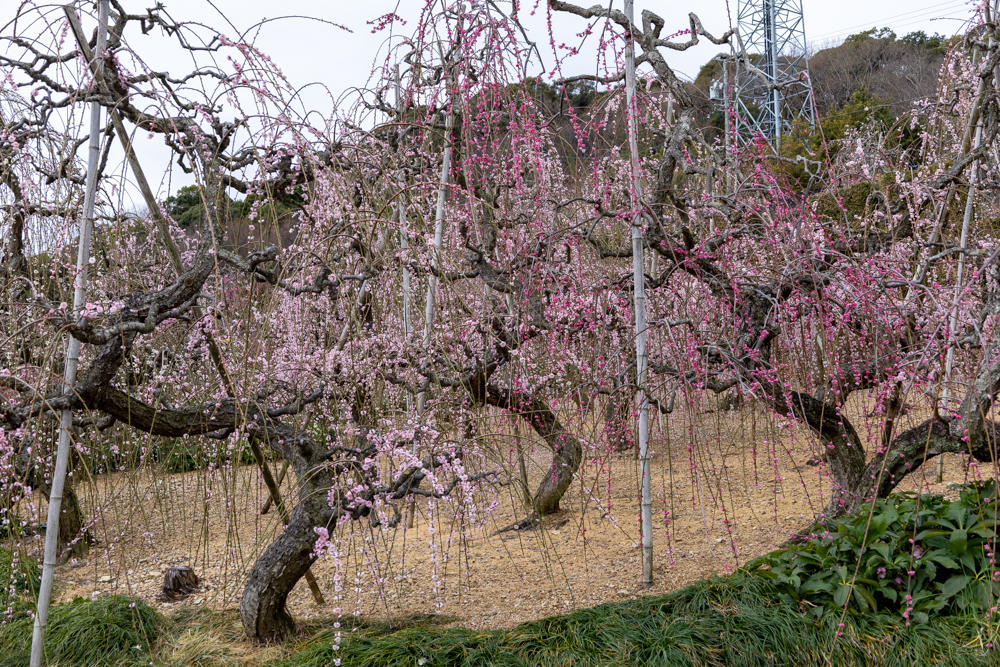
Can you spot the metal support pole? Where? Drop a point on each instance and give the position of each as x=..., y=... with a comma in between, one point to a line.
x=727, y=111
x=772, y=55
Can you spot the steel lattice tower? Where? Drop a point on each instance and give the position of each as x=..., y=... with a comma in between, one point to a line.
x=775, y=31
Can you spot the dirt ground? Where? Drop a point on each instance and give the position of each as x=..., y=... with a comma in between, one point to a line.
x=727, y=487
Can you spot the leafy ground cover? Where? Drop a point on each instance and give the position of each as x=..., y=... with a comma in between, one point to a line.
x=918, y=554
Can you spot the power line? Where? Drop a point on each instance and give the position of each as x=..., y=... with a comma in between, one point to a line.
x=897, y=27
x=948, y=5
x=952, y=6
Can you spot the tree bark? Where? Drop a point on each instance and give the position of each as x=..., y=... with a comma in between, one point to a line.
x=567, y=452
x=74, y=540
x=287, y=559
x=274, y=575
x=617, y=411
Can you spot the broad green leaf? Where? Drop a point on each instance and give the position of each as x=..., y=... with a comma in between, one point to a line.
x=891, y=514
x=983, y=594
x=878, y=526
x=958, y=513
x=930, y=532
x=945, y=561
x=881, y=548
x=863, y=598
x=816, y=585
x=959, y=541
x=954, y=585
x=843, y=592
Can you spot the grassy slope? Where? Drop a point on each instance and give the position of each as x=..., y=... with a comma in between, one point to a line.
x=111, y=631
x=725, y=621
x=734, y=620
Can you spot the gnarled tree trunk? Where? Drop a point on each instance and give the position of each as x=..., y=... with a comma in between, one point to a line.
x=279, y=568
x=74, y=540
x=567, y=452
x=287, y=559
x=618, y=428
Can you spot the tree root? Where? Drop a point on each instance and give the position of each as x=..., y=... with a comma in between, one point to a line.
x=531, y=521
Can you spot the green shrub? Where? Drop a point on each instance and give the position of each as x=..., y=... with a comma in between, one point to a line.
x=920, y=555
x=176, y=455
x=19, y=580
x=110, y=631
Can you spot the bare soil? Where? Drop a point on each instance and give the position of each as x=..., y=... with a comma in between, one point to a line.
x=727, y=487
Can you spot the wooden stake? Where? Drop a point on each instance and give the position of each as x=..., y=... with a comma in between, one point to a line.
x=266, y=506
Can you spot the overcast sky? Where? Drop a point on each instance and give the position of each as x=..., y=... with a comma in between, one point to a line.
x=315, y=51
x=310, y=51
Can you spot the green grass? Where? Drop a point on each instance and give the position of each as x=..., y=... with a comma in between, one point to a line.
x=729, y=621
x=110, y=631
x=19, y=580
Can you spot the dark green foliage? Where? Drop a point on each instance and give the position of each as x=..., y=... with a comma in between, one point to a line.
x=184, y=455
x=19, y=580
x=176, y=455
x=270, y=209
x=872, y=33
x=862, y=110
x=736, y=620
x=111, y=631
x=186, y=207
x=918, y=39
x=318, y=651
x=578, y=95
x=844, y=203
x=935, y=43
x=935, y=551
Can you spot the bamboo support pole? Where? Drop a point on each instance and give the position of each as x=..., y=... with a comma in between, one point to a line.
x=72, y=361
x=963, y=243
x=639, y=287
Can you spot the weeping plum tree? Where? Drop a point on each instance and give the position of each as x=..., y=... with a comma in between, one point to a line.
x=302, y=349
x=799, y=306
x=298, y=350
x=309, y=306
